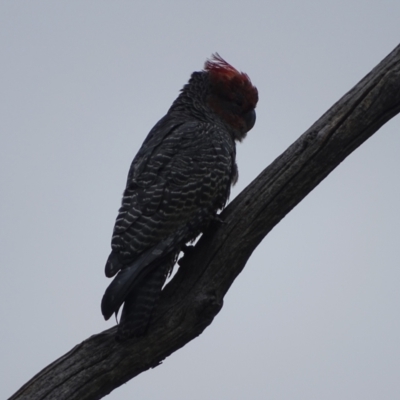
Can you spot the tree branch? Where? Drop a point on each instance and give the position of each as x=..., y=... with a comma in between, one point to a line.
x=194, y=297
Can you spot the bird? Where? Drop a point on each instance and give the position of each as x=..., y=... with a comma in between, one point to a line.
x=177, y=183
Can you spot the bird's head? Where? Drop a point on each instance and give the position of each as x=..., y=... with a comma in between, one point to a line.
x=231, y=95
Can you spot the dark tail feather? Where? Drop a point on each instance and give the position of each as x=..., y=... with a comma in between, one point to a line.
x=120, y=287
x=139, y=303
x=128, y=277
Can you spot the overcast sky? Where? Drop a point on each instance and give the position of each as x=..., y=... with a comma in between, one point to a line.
x=315, y=313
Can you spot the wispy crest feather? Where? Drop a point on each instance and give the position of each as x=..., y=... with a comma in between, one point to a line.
x=216, y=65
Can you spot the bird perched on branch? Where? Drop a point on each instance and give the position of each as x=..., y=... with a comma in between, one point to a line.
x=177, y=182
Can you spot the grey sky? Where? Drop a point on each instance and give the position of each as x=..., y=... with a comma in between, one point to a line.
x=315, y=314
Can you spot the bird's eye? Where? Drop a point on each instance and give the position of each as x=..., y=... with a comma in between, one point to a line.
x=239, y=102
x=237, y=99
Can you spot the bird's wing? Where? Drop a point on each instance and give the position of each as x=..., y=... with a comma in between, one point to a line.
x=173, y=188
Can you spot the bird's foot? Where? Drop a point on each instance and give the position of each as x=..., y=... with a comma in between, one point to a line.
x=216, y=222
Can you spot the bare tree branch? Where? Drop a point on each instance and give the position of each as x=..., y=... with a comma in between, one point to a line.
x=194, y=297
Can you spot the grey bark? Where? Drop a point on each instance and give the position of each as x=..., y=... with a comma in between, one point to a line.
x=194, y=297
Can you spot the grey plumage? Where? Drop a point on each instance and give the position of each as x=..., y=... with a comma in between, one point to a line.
x=177, y=182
